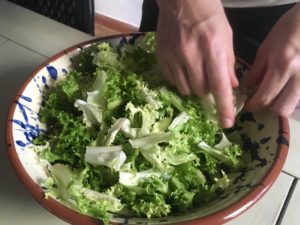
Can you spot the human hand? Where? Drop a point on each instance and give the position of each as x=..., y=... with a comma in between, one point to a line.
x=195, y=51
x=276, y=68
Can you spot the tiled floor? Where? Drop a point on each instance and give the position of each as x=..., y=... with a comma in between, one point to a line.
x=105, y=26
x=101, y=30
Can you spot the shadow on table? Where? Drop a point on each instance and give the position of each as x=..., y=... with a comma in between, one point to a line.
x=16, y=63
x=9, y=186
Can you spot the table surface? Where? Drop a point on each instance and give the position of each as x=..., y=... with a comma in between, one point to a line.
x=28, y=39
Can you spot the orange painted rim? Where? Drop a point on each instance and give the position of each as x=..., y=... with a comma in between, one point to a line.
x=73, y=217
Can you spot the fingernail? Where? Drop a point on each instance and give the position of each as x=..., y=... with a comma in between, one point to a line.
x=227, y=122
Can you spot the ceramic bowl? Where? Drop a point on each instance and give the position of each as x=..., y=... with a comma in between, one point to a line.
x=267, y=144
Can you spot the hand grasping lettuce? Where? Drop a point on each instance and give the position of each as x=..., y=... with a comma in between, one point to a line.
x=120, y=140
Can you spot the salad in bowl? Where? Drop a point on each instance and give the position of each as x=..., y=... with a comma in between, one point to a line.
x=99, y=132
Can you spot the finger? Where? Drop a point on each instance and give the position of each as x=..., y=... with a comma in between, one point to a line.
x=167, y=72
x=288, y=99
x=162, y=50
x=231, y=65
x=233, y=78
x=220, y=86
x=272, y=83
x=191, y=56
x=180, y=75
x=197, y=78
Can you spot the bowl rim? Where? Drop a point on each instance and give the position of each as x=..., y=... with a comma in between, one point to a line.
x=73, y=217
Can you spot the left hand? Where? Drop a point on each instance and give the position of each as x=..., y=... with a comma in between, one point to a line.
x=276, y=68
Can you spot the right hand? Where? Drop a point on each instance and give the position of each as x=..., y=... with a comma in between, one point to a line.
x=195, y=51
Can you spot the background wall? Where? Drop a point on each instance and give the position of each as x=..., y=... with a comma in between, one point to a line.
x=128, y=11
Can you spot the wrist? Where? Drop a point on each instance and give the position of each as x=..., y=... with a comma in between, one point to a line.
x=194, y=8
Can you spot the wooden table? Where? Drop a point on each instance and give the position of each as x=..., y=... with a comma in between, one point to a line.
x=28, y=39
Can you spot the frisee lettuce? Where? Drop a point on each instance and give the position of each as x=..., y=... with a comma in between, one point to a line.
x=121, y=140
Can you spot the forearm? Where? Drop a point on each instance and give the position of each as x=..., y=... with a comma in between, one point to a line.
x=195, y=9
